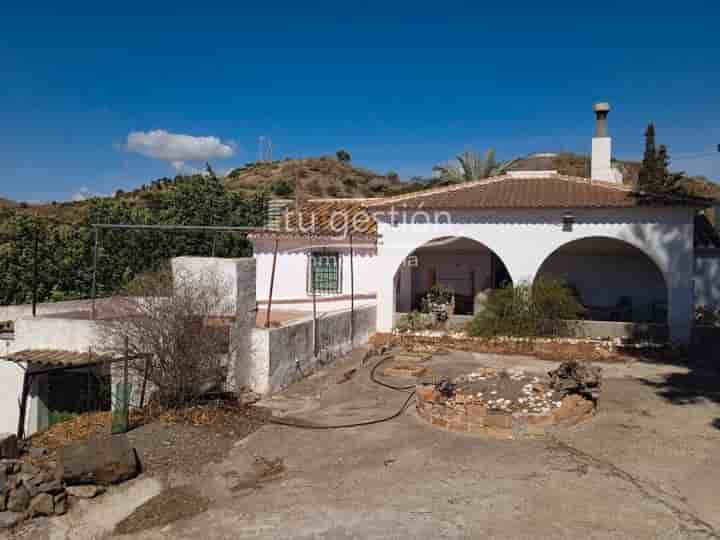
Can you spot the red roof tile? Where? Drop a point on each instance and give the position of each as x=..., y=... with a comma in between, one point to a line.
x=554, y=191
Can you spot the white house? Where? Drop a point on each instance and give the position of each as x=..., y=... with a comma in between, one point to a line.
x=630, y=256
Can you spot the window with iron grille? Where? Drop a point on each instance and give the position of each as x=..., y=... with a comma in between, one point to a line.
x=324, y=273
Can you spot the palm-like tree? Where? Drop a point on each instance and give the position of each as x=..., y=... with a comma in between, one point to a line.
x=471, y=166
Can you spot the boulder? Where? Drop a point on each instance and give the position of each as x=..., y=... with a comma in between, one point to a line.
x=37, y=453
x=10, y=519
x=53, y=487
x=85, y=492
x=42, y=505
x=9, y=446
x=99, y=461
x=61, y=504
x=18, y=499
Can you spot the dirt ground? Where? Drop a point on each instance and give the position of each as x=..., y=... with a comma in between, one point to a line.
x=648, y=466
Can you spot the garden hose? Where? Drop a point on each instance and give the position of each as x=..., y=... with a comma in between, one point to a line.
x=289, y=423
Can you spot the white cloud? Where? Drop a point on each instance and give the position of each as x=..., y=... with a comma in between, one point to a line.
x=82, y=194
x=176, y=148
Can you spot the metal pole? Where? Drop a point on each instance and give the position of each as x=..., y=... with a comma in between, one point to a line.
x=144, y=385
x=272, y=285
x=23, y=404
x=352, y=295
x=96, y=234
x=35, y=270
x=126, y=391
x=314, y=298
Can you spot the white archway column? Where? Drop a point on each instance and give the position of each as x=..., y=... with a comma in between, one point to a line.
x=681, y=303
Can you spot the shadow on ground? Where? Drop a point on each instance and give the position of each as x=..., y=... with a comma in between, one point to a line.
x=695, y=386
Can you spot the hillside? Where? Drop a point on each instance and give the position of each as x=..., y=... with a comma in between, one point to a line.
x=315, y=177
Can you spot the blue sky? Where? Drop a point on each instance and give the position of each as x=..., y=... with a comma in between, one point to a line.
x=401, y=85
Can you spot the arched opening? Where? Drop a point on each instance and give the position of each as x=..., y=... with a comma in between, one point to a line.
x=613, y=280
x=466, y=267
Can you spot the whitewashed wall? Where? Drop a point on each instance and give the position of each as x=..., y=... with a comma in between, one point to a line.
x=524, y=239
x=292, y=267
x=11, y=381
x=707, y=279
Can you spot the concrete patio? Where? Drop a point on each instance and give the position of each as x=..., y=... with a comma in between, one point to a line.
x=645, y=467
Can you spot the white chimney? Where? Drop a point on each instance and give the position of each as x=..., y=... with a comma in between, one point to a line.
x=601, y=168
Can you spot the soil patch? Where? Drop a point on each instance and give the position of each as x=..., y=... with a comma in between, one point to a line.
x=168, y=442
x=169, y=506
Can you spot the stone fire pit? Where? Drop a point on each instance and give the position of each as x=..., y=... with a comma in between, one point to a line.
x=502, y=404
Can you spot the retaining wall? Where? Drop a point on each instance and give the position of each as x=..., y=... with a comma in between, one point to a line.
x=283, y=355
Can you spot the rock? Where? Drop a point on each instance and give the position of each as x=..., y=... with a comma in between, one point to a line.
x=9, y=446
x=61, y=504
x=30, y=469
x=42, y=505
x=18, y=499
x=85, y=492
x=10, y=519
x=53, y=487
x=3, y=484
x=29, y=484
x=99, y=461
x=36, y=453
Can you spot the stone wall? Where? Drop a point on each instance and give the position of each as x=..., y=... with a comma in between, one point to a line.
x=462, y=415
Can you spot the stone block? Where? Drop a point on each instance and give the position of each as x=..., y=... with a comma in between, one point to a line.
x=53, y=487
x=457, y=426
x=9, y=520
x=439, y=421
x=498, y=420
x=42, y=505
x=475, y=410
x=9, y=446
x=99, y=461
x=85, y=492
x=425, y=392
x=18, y=499
x=61, y=504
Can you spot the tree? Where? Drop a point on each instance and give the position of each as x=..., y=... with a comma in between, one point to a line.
x=470, y=166
x=392, y=176
x=655, y=175
x=343, y=156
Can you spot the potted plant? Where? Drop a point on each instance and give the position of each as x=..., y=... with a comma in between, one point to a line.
x=439, y=301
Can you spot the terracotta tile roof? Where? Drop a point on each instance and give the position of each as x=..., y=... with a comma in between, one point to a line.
x=54, y=358
x=325, y=218
x=555, y=191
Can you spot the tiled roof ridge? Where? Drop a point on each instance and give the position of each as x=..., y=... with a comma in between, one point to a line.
x=494, y=179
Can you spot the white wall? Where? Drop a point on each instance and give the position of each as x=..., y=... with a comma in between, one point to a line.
x=224, y=271
x=11, y=381
x=707, y=279
x=292, y=266
x=283, y=355
x=524, y=239
x=55, y=333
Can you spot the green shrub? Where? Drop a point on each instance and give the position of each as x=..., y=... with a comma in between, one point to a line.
x=343, y=156
x=282, y=188
x=526, y=310
x=413, y=322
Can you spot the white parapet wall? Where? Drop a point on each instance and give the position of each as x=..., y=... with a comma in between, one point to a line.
x=225, y=273
x=286, y=354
